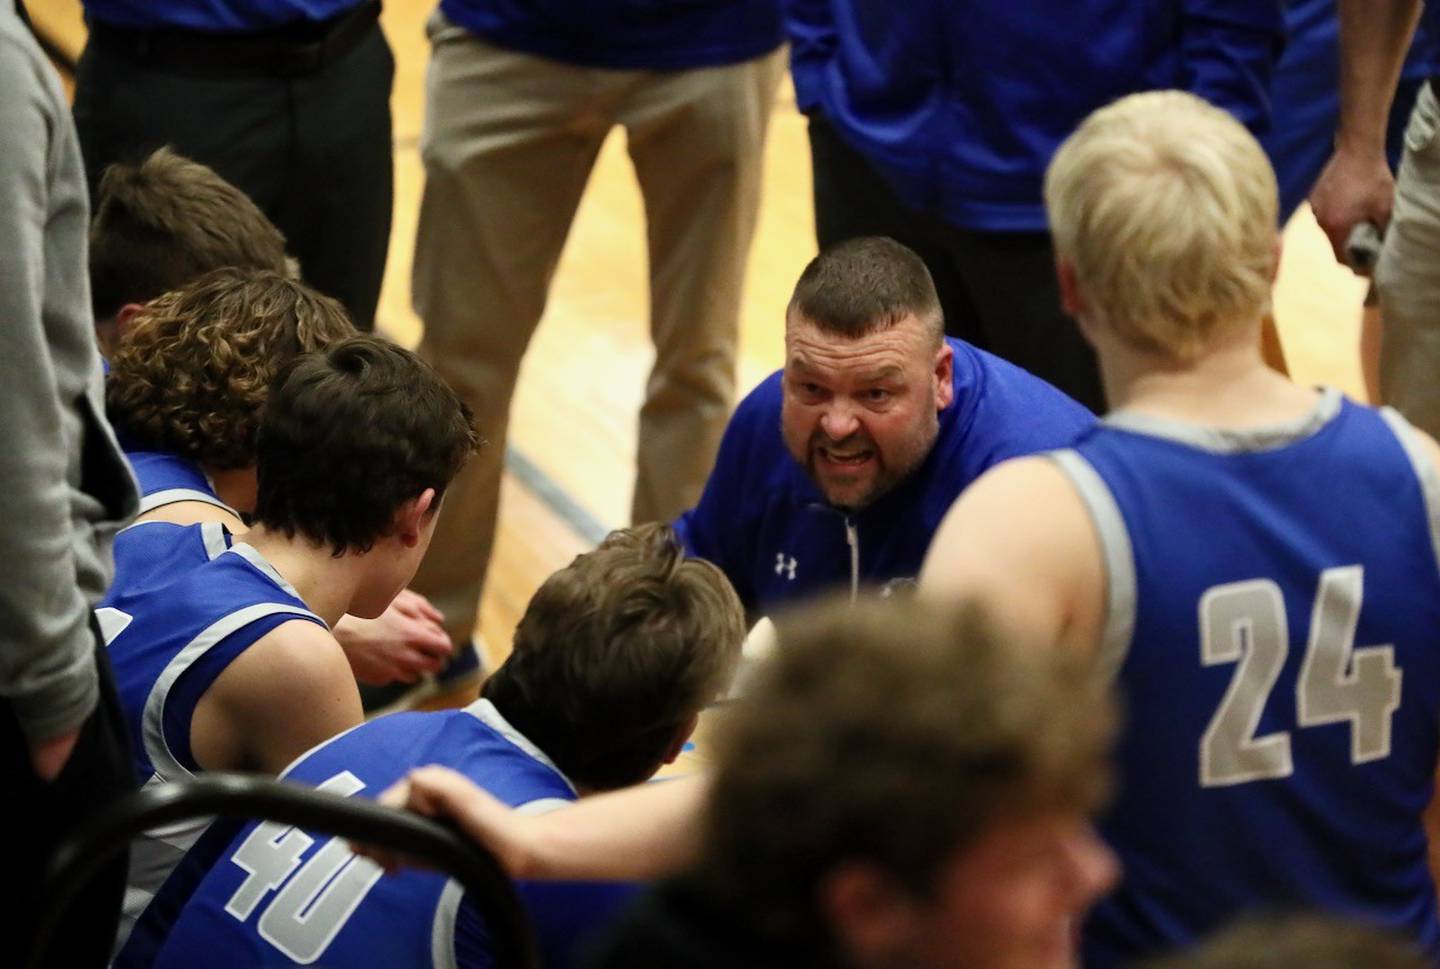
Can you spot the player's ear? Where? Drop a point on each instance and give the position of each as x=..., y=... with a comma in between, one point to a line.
x=867, y=912
x=413, y=516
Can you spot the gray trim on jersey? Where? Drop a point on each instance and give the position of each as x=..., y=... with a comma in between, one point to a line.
x=1116, y=553
x=213, y=535
x=1424, y=470
x=157, y=748
x=153, y=856
x=1223, y=440
x=484, y=711
x=171, y=496
x=442, y=931
x=252, y=555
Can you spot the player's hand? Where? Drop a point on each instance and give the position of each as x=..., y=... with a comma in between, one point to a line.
x=1356, y=186
x=49, y=757
x=446, y=795
x=407, y=641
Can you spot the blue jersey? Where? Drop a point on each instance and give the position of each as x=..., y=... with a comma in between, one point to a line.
x=168, y=478
x=182, y=607
x=1274, y=620
x=262, y=902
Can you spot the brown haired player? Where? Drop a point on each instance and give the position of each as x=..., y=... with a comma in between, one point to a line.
x=230, y=664
x=613, y=660
x=187, y=384
x=162, y=223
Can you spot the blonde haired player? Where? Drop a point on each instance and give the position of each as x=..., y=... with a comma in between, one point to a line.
x=1255, y=560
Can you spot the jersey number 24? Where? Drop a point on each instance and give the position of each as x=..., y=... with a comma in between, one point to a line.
x=1244, y=623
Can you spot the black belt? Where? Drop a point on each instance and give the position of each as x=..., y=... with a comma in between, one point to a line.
x=303, y=48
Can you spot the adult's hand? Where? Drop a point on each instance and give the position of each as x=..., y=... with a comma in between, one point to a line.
x=407, y=641
x=49, y=757
x=1355, y=187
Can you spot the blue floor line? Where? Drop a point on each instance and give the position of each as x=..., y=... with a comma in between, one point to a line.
x=556, y=498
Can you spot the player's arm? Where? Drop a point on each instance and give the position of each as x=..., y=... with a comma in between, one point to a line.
x=1356, y=185
x=1021, y=541
x=290, y=690
x=194, y=513
x=639, y=833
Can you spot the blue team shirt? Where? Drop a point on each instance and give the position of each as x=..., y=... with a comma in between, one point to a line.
x=1274, y=617
x=166, y=478
x=765, y=524
x=218, y=16
x=185, y=602
x=960, y=106
x=667, y=35
x=246, y=911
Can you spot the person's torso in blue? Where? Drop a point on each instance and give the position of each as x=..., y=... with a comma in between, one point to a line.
x=1280, y=674
x=657, y=35
x=1305, y=97
x=168, y=478
x=960, y=105
x=184, y=604
x=765, y=524
x=277, y=896
x=215, y=16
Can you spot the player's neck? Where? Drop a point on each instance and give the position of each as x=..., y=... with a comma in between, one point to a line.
x=1229, y=386
x=234, y=486
x=325, y=582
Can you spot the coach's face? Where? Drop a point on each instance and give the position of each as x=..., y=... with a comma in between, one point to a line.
x=861, y=414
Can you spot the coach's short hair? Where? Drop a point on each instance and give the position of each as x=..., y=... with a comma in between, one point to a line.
x=893, y=732
x=859, y=286
x=616, y=653
x=166, y=221
x=1313, y=941
x=349, y=434
x=1166, y=206
x=194, y=367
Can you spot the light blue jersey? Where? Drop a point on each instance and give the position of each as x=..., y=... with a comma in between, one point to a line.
x=278, y=896
x=185, y=603
x=1274, y=621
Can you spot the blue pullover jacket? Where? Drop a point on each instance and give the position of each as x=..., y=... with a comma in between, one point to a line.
x=656, y=35
x=959, y=104
x=765, y=524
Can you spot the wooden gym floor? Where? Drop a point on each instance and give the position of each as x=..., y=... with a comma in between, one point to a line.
x=573, y=423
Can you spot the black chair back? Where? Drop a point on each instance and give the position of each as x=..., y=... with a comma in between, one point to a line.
x=219, y=794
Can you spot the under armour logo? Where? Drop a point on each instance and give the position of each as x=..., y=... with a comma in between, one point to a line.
x=785, y=567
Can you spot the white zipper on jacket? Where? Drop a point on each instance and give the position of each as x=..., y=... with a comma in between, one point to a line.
x=852, y=538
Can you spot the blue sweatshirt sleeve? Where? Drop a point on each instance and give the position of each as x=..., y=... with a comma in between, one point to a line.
x=1230, y=48
x=811, y=31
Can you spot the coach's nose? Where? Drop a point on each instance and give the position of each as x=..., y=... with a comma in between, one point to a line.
x=839, y=421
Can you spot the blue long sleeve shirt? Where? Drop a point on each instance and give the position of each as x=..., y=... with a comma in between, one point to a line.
x=765, y=524
x=959, y=104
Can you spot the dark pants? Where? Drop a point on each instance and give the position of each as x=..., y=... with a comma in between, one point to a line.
x=40, y=814
x=312, y=150
x=998, y=289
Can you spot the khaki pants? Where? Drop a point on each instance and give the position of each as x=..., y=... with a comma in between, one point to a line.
x=1408, y=275
x=508, y=145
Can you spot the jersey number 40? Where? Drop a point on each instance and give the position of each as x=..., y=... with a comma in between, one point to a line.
x=1245, y=622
